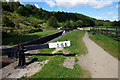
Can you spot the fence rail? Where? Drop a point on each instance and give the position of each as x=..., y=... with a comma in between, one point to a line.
x=18, y=51
x=113, y=32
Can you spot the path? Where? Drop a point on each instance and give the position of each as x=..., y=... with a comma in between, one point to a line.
x=100, y=63
x=10, y=72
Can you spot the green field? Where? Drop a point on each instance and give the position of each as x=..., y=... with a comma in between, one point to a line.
x=77, y=45
x=108, y=44
x=104, y=28
x=21, y=38
x=41, y=57
x=55, y=69
x=87, y=28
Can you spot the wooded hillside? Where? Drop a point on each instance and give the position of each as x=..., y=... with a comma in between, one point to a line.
x=30, y=18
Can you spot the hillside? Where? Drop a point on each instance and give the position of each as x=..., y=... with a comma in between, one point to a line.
x=21, y=19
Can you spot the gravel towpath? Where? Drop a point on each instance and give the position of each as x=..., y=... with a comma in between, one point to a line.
x=100, y=63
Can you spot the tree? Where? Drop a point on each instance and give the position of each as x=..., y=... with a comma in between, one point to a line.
x=28, y=8
x=71, y=24
x=66, y=24
x=5, y=6
x=35, y=24
x=16, y=5
x=7, y=22
x=11, y=24
x=116, y=23
x=22, y=11
x=11, y=4
x=39, y=13
x=53, y=22
x=79, y=23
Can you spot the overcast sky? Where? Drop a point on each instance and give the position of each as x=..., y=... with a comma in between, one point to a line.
x=99, y=9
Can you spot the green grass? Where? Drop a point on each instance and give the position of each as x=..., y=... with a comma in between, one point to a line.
x=59, y=52
x=54, y=69
x=21, y=38
x=87, y=28
x=114, y=29
x=108, y=29
x=77, y=45
x=41, y=57
x=108, y=44
x=46, y=51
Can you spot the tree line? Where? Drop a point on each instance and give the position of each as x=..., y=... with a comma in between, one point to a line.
x=67, y=20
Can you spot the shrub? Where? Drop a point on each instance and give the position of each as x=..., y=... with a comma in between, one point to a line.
x=53, y=22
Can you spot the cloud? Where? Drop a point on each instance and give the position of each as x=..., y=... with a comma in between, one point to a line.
x=116, y=14
x=118, y=6
x=7, y=0
x=102, y=18
x=107, y=18
x=111, y=7
x=36, y=5
x=116, y=17
x=50, y=3
x=64, y=0
x=71, y=3
x=110, y=13
x=99, y=4
x=16, y=0
x=21, y=3
x=79, y=3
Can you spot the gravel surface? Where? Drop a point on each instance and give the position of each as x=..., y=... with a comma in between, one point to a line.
x=100, y=63
x=69, y=62
x=10, y=71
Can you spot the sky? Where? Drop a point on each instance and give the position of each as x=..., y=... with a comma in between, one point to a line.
x=99, y=9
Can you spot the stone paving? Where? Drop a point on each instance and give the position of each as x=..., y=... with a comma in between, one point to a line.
x=69, y=62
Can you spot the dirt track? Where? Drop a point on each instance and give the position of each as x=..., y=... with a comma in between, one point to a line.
x=100, y=63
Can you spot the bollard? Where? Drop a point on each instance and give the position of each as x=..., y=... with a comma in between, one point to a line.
x=21, y=56
x=116, y=32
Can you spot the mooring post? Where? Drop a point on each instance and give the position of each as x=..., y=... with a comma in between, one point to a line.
x=116, y=32
x=21, y=56
x=106, y=31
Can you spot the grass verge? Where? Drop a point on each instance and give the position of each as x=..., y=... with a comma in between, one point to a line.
x=108, y=44
x=54, y=69
x=41, y=57
x=77, y=45
x=21, y=38
x=87, y=28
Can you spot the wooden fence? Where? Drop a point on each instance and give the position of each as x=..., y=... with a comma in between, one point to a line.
x=113, y=32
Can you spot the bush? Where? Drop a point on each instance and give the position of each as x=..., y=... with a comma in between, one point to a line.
x=7, y=22
x=5, y=35
x=22, y=11
x=53, y=22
